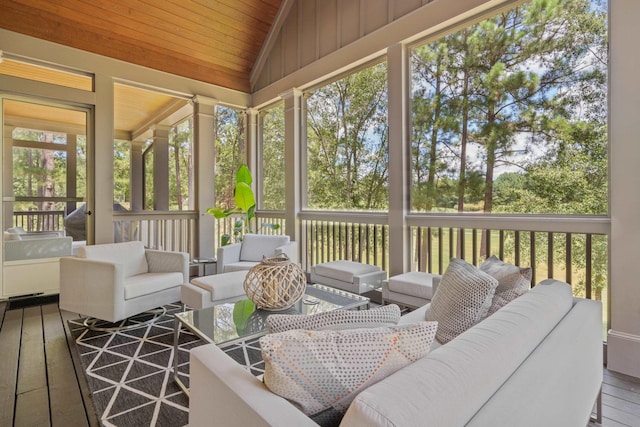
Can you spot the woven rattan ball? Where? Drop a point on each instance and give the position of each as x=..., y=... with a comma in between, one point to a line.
x=275, y=284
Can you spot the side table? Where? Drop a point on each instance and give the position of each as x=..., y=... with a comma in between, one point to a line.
x=199, y=267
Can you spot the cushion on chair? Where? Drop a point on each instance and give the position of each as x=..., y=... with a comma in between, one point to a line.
x=513, y=281
x=239, y=266
x=130, y=254
x=256, y=246
x=462, y=299
x=150, y=283
x=344, y=270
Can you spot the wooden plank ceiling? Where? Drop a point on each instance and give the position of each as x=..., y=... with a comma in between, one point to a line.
x=215, y=41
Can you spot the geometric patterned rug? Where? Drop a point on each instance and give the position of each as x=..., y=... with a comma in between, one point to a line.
x=130, y=372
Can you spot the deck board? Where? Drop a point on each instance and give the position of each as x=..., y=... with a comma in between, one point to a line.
x=32, y=395
x=10, y=333
x=56, y=393
x=67, y=407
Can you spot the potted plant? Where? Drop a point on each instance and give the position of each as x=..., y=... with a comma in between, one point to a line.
x=244, y=209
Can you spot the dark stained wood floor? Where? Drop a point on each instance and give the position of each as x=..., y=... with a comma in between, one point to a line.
x=41, y=381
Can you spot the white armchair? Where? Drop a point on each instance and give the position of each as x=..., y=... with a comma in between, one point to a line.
x=115, y=281
x=249, y=252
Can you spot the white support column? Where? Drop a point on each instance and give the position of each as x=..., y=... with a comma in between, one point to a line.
x=101, y=180
x=399, y=165
x=258, y=174
x=7, y=176
x=623, y=342
x=292, y=154
x=72, y=170
x=136, y=177
x=204, y=172
x=251, y=150
x=161, y=167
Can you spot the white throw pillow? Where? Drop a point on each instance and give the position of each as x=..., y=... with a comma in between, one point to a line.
x=321, y=372
x=463, y=297
x=388, y=315
x=513, y=281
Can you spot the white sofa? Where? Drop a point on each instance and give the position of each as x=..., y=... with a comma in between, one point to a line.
x=21, y=245
x=535, y=362
x=115, y=281
x=244, y=255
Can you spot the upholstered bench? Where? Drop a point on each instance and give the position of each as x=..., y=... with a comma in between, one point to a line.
x=349, y=276
x=206, y=291
x=413, y=289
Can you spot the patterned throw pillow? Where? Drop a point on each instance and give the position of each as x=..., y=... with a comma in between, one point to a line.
x=513, y=281
x=387, y=315
x=463, y=297
x=321, y=372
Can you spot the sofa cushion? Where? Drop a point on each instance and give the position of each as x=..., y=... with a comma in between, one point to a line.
x=452, y=383
x=322, y=371
x=387, y=315
x=463, y=297
x=513, y=281
x=343, y=270
x=130, y=254
x=150, y=283
x=256, y=246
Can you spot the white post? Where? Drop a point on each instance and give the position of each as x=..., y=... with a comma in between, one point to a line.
x=292, y=154
x=399, y=165
x=204, y=172
x=101, y=180
x=623, y=342
x=161, y=167
x=136, y=176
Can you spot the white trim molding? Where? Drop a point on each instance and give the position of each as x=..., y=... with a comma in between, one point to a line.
x=623, y=353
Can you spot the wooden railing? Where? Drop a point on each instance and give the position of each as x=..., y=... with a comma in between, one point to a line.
x=330, y=236
x=171, y=231
x=33, y=221
x=258, y=224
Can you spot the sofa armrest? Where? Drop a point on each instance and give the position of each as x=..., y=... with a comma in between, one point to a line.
x=227, y=255
x=168, y=262
x=90, y=286
x=290, y=249
x=223, y=391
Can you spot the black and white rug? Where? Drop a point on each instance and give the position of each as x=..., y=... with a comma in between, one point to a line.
x=130, y=372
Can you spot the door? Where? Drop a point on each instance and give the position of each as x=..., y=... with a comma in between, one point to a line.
x=44, y=192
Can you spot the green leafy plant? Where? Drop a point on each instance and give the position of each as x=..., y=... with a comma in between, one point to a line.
x=245, y=208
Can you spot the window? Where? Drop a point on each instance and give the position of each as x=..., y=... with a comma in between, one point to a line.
x=180, y=164
x=347, y=137
x=273, y=166
x=510, y=114
x=230, y=152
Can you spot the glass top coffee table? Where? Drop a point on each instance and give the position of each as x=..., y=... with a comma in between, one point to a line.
x=227, y=323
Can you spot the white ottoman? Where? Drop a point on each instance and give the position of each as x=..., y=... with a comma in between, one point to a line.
x=413, y=289
x=206, y=291
x=349, y=276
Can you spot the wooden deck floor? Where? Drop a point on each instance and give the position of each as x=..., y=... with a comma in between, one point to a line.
x=41, y=382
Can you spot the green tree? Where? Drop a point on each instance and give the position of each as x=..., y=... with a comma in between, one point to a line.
x=347, y=150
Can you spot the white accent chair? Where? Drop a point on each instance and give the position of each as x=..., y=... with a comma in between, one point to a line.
x=115, y=281
x=244, y=255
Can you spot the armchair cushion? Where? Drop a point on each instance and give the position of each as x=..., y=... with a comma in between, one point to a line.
x=150, y=283
x=130, y=254
x=256, y=246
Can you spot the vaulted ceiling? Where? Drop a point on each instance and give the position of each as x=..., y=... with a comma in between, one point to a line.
x=215, y=41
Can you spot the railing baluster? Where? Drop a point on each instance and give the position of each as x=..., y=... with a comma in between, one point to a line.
x=474, y=244
x=516, y=239
x=588, y=276
x=550, y=255
x=532, y=255
x=568, y=259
